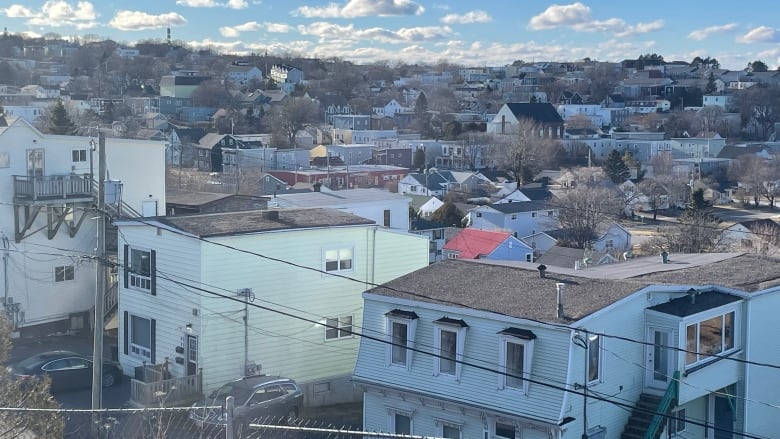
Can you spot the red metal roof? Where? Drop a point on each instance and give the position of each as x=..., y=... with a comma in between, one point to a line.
x=471, y=243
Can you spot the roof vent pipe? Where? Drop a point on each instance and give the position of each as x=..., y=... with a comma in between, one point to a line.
x=559, y=299
x=692, y=295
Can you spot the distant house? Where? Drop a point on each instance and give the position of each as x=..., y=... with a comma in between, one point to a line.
x=574, y=258
x=180, y=86
x=435, y=233
x=331, y=105
x=429, y=207
x=183, y=202
x=521, y=218
x=427, y=183
x=487, y=244
x=616, y=239
x=242, y=74
x=758, y=236
x=509, y=116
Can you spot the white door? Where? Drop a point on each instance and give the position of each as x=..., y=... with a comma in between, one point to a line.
x=658, y=373
x=149, y=208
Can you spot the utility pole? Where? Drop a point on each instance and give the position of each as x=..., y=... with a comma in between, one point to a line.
x=100, y=285
x=249, y=296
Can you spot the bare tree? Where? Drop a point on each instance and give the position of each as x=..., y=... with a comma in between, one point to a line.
x=603, y=80
x=525, y=153
x=751, y=172
x=698, y=230
x=584, y=210
x=292, y=116
x=710, y=118
x=657, y=194
x=32, y=393
x=210, y=94
x=662, y=164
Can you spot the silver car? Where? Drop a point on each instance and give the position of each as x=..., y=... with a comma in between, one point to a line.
x=264, y=398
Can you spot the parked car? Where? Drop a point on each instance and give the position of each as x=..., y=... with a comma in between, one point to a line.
x=259, y=397
x=67, y=370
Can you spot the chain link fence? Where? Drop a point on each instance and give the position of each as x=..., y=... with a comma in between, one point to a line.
x=172, y=423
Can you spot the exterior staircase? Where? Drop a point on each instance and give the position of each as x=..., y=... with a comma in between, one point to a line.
x=641, y=417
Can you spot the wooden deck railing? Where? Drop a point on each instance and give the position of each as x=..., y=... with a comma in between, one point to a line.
x=168, y=392
x=52, y=187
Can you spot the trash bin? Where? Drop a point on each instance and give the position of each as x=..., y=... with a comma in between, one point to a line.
x=114, y=349
x=664, y=257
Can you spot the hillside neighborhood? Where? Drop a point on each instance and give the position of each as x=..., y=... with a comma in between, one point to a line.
x=535, y=250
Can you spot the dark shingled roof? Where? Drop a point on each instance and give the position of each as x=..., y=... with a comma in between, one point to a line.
x=520, y=206
x=191, y=198
x=542, y=112
x=515, y=288
x=686, y=305
x=507, y=290
x=238, y=223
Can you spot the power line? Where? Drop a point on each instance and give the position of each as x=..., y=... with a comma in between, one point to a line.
x=446, y=301
x=476, y=366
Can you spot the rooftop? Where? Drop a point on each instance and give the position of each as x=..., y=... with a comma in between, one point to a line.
x=257, y=221
x=473, y=243
x=516, y=289
x=325, y=198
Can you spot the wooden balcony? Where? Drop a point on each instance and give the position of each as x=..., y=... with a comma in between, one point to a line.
x=70, y=188
x=170, y=392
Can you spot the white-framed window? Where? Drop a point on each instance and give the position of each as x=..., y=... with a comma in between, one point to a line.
x=400, y=421
x=609, y=244
x=515, y=358
x=711, y=336
x=140, y=337
x=78, y=155
x=400, y=330
x=448, y=344
x=514, y=216
x=446, y=428
x=533, y=214
x=64, y=273
x=677, y=422
x=338, y=259
x=5, y=159
x=139, y=269
x=594, y=359
x=504, y=430
x=479, y=214
x=338, y=327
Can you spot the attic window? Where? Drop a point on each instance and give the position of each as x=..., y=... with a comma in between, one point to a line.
x=525, y=334
x=453, y=322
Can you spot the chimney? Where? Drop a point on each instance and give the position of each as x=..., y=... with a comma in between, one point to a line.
x=692, y=295
x=271, y=214
x=559, y=299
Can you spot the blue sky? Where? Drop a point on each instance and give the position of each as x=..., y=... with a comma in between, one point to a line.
x=473, y=33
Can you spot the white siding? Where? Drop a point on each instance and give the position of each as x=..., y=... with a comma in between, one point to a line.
x=475, y=387
x=759, y=418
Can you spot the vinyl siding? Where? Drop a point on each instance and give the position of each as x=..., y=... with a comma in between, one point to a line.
x=482, y=344
x=177, y=257
x=760, y=419
x=283, y=344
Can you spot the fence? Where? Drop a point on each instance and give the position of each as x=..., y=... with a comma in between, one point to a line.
x=173, y=423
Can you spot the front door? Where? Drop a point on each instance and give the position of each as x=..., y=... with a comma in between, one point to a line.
x=192, y=355
x=35, y=162
x=659, y=359
x=722, y=408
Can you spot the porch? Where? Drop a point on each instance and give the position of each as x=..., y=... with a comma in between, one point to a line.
x=153, y=387
x=71, y=187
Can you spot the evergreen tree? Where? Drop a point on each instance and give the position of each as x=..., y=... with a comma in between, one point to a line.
x=59, y=122
x=448, y=215
x=615, y=168
x=710, y=87
x=418, y=161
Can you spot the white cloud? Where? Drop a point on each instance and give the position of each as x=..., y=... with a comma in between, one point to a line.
x=231, y=4
x=361, y=8
x=329, y=31
x=56, y=13
x=234, y=31
x=703, y=34
x=277, y=28
x=577, y=16
x=561, y=15
x=18, y=11
x=640, y=28
x=197, y=3
x=476, y=16
x=138, y=20
x=761, y=34
x=236, y=47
